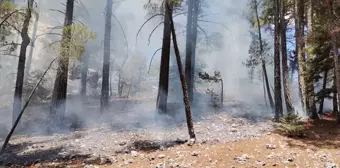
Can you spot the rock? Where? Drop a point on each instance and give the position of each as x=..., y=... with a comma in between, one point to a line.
x=122, y=143
x=323, y=158
x=331, y=165
x=129, y=161
x=134, y=153
x=104, y=160
x=270, y=146
x=242, y=159
x=194, y=153
x=260, y=163
x=290, y=159
x=90, y=166
x=161, y=156
x=191, y=142
x=270, y=156
x=233, y=130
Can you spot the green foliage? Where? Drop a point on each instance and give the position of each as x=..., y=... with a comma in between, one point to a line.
x=255, y=56
x=73, y=46
x=291, y=125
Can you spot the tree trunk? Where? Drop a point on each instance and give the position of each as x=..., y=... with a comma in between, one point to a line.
x=104, y=101
x=189, y=48
x=182, y=78
x=335, y=99
x=163, y=85
x=337, y=72
x=264, y=69
x=309, y=78
x=58, y=102
x=285, y=80
x=299, y=50
x=324, y=85
x=21, y=63
x=277, y=65
x=84, y=70
x=34, y=34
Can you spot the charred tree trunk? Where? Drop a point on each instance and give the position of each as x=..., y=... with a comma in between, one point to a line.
x=324, y=85
x=163, y=85
x=182, y=78
x=285, y=76
x=21, y=63
x=58, y=103
x=277, y=65
x=189, y=48
x=104, y=101
x=264, y=69
x=84, y=70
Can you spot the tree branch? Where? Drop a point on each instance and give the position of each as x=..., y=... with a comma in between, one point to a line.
x=152, y=58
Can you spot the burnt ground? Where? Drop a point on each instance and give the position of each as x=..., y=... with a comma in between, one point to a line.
x=129, y=128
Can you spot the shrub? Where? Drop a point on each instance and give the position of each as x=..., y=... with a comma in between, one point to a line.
x=292, y=126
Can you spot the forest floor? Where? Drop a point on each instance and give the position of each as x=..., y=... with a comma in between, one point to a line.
x=224, y=140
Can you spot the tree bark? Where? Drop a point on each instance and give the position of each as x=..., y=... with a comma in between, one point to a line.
x=163, y=85
x=189, y=48
x=277, y=65
x=182, y=78
x=309, y=78
x=285, y=76
x=337, y=72
x=299, y=10
x=58, y=102
x=324, y=86
x=264, y=69
x=21, y=63
x=104, y=101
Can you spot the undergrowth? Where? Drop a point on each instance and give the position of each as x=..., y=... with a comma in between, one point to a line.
x=291, y=126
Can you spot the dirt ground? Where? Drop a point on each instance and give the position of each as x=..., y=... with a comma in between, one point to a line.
x=320, y=148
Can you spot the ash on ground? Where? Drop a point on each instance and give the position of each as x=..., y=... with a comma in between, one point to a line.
x=135, y=131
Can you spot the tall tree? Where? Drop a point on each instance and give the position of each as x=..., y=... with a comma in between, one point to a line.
x=188, y=49
x=182, y=78
x=263, y=61
x=58, y=102
x=285, y=80
x=21, y=63
x=191, y=41
x=277, y=64
x=312, y=112
x=104, y=101
x=299, y=33
x=163, y=85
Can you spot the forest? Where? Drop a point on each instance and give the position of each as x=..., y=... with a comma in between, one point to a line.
x=169, y=83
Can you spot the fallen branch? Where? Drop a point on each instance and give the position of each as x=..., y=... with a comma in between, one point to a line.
x=23, y=109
